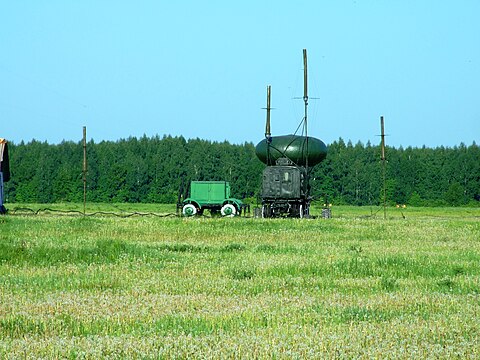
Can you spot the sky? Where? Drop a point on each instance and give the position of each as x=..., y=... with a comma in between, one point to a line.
x=200, y=69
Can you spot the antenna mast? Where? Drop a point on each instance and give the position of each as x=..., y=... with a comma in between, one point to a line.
x=305, y=84
x=268, y=134
x=267, y=125
x=305, y=100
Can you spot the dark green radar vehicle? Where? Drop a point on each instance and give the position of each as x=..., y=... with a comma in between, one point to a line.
x=289, y=160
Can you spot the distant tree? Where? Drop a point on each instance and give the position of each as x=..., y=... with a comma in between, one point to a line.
x=455, y=195
x=415, y=200
x=155, y=169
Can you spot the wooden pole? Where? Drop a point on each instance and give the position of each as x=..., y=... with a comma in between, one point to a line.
x=384, y=172
x=84, y=169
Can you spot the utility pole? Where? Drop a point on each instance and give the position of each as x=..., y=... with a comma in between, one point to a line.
x=384, y=172
x=84, y=169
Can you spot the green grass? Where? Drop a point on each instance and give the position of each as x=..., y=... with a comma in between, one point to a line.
x=354, y=286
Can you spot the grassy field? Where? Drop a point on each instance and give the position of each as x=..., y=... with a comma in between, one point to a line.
x=353, y=286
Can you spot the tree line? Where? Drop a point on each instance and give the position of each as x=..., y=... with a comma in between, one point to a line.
x=155, y=169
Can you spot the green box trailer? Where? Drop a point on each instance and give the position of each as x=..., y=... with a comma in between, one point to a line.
x=213, y=196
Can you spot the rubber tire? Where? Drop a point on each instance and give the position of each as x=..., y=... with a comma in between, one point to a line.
x=190, y=207
x=228, y=210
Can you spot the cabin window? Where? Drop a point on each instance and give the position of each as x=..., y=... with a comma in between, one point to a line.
x=286, y=176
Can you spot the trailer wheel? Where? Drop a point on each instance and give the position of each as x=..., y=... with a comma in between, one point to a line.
x=189, y=210
x=228, y=210
x=266, y=211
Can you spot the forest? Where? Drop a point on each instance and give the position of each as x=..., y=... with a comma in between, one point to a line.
x=156, y=169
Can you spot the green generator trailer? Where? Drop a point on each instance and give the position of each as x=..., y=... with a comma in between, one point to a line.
x=213, y=196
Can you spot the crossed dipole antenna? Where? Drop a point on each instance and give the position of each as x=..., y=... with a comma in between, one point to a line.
x=305, y=116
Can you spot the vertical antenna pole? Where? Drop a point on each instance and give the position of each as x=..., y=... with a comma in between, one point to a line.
x=305, y=83
x=267, y=125
x=383, y=163
x=305, y=100
x=305, y=88
x=268, y=134
x=84, y=169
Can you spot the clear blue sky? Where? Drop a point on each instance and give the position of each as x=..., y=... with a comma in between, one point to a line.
x=201, y=68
